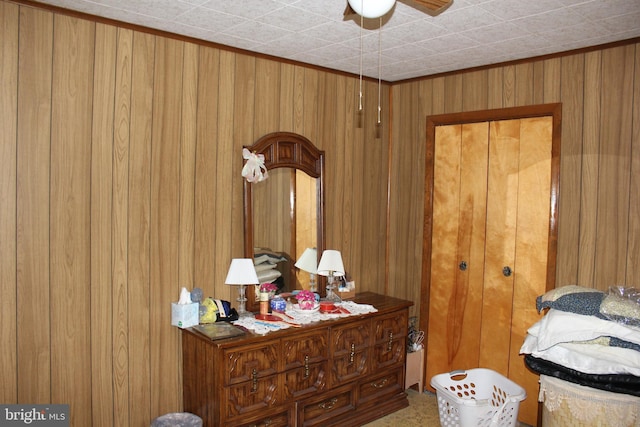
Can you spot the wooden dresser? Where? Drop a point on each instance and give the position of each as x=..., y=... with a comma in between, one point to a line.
x=347, y=371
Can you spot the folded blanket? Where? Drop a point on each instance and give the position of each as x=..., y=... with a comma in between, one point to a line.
x=617, y=383
x=588, y=358
x=576, y=299
x=584, y=343
x=563, y=327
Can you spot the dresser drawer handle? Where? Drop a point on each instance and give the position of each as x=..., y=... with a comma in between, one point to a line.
x=306, y=366
x=352, y=354
x=390, y=343
x=328, y=404
x=381, y=383
x=254, y=380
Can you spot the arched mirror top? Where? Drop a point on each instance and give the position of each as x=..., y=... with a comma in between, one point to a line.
x=290, y=150
x=285, y=150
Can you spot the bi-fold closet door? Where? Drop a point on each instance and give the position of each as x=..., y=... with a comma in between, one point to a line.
x=489, y=246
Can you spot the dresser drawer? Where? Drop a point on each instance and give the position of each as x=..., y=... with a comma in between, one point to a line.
x=320, y=410
x=251, y=396
x=305, y=349
x=306, y=380
x=246, y=363
x=280, y=418
x=389, y=347
x=350, y=352
x=373, y=390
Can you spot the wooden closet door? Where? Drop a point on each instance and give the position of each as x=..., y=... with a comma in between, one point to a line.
x=502, y=207
x=459, y=212
x=532, y=247
x=491, y=208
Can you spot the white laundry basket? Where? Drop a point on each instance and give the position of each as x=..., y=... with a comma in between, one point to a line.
x=477, y=397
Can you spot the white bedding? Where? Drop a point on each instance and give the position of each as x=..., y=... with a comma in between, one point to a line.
x=561, y=337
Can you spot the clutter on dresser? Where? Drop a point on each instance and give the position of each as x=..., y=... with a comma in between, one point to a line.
x=184, y=312
x=293, y=316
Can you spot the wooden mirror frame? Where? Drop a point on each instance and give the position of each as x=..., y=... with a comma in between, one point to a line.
x=285, y=150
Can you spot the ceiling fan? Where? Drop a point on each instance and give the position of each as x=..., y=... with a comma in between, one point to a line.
x=377, y=8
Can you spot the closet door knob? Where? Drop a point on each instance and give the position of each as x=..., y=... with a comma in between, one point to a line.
x=507, y=271
x=463, y=266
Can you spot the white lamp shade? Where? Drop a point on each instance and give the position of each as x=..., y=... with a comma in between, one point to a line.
x=371, y=8
x=308, y=261
x=331, y=263
x=242, y=272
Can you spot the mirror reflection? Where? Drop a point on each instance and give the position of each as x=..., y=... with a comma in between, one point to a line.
x=284, y=214
x=284, y=225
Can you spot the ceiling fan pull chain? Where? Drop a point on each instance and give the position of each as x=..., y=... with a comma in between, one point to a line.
x=379, y=67
x=360, y=96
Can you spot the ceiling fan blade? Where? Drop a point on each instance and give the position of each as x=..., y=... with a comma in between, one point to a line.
x=434, y=5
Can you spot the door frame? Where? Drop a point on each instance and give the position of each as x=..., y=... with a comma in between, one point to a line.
x=553, y=110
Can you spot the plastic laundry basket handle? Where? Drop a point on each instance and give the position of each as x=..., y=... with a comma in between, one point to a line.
x=458, y=373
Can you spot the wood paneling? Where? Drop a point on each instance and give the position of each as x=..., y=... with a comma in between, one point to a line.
x=165, y=221
x=89, y=267
x=139, y=289
x=109, y=386
x=32, y=234
x=593, y=247
x=121, y=159
x=9, y=19
x=70, y=216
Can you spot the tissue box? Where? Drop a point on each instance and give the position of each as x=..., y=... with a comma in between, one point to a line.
x=347, y=290
x=184, y=315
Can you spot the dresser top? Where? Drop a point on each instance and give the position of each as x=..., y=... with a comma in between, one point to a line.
x=383, y=304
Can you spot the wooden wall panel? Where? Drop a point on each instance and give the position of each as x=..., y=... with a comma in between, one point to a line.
x=633, y=251
x=224, y=249
x=267, y=93
x=9, y=30
x=164, y=220
x=571, y=165
x=206, y=199
x=71, y=330
x=495, y=92
x=188, y=135
x=475, y=90
x=286, y=97
x=614, y=166
x=407, y=160
x=108, y=253
x=139, y=231
x=31, y=235
x=187, y=111
x=524, y=87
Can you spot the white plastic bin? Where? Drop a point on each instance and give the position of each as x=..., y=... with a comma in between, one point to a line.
x=477, y=397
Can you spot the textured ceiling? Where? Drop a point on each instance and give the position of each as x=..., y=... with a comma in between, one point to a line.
x=411, y=42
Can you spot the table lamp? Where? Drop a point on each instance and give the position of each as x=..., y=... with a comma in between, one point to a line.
x=331, y=266
x=242, y=272
x=308, y=262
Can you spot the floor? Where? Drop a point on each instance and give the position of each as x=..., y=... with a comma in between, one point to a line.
x=422, y=411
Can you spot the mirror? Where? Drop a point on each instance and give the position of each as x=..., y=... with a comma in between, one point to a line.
x=284, y=214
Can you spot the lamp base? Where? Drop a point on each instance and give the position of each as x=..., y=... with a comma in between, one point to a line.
x=242, y=300
x=312, y=283
x=331, y=295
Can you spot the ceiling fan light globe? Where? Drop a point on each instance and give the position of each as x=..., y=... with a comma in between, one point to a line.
x=371, y=8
